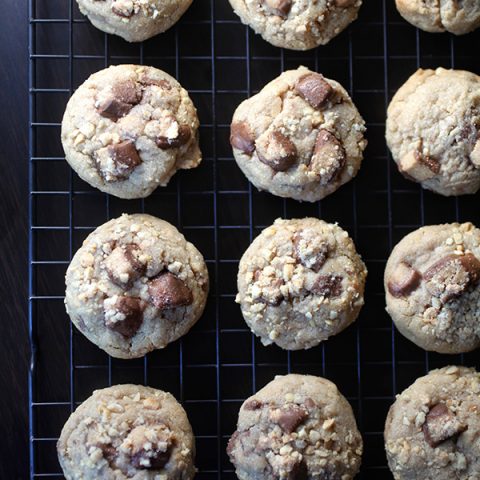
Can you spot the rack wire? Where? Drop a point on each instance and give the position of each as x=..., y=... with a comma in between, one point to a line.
x=219, y=363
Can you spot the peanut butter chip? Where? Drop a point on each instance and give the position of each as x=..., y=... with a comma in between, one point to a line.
x=242, y=138
x=278, y=7
x=116, y=162
x=123, y=97
x=328, y=157
x=168, y=291
x=314, y=89
x=277, y=151
x=404, y=280
x=440, y=425
x=125, y=316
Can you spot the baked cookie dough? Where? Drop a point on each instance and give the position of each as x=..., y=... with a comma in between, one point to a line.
x=432, y=429
x=454, y=16
x=301, y=136
x=125, y=432
x=133, y=20
x=135, y=285
x=433, y=130
x=300, y=282
x=432, y=287
x=128, y=129
x=296, y=427
x=297, y=24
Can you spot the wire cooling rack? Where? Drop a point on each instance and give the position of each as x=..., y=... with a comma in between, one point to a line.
x=219, y=363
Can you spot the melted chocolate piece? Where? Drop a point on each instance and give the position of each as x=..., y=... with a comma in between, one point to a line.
x=168, y=291
x=314, y=89
x=242, y=138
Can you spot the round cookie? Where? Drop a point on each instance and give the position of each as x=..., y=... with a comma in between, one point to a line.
x=133, y=20
x=300, y=282
x=127, y=431
x=433, y=130
x=297, y=24
x=296, y=427
x=432, y=429
x=300, y=137
x=128, y=129
x=458, y=17
x=432, y=287
x=135, y=285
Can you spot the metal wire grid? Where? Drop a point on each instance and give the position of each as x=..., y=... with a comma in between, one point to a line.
x=219, y=363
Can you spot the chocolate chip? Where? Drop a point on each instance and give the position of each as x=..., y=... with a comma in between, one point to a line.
x=314, y=89
x=312, y=252
x=150, y=459
x=131, y=309
x=328, y=286
x=123, y=8
x=117, y=161
x=253, y=404
x=440, y=425
x=124, y=266
x=183, y=136
x=242, y=138
x=290, y=417
x=168, y=291
x=278, y=7
x=328, y=157
x=452, y=275
x=123, y=97
x=414, y=165
x=404, y=280
x=277, y=151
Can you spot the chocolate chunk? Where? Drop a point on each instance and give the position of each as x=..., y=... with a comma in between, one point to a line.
x=280, y=8
x=452, y=275
x=312, y=252
x=125, y=316
x=150, y=459
x=314, y=89
x=299, y=471
x=328, y=157
x=117, y=161
x=168, y=291
x=440, y=425
x=404, y=280
x=271, y=294
x=182, y=137
x=328, y=286
x=418, y=167
x=290, y=417
x=242, y=138
x=344, y=3
x=124, y=266
x=253, y=404
x=309, y=403
x=147, y=81
x=123, y=8
x=232, y=443
x=109, y=452
x=277, y=151
x=123, y=97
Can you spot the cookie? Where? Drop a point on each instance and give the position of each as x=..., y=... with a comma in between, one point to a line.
x=297, y=24
x=458, y=17
x=135, y=285
x=128, y=129
x=133, y=20
x=300, y=137
x=296, y=427
x=433, y=130
x=300, y=282
x=432, y=429
x=127, y=431
x=432, y=287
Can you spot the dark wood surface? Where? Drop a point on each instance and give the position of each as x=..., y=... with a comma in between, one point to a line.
x=13, y=241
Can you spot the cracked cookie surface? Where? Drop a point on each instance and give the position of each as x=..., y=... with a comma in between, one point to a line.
x=296, y=427
x=128, y=432
x=300, y=282
x=454, y=16
x=433, y=130
x=432, y=287
x=432, y=429
x=300, y=137
x=297, y=24
x=128, y=129
x=135, y=285
x=133, y=20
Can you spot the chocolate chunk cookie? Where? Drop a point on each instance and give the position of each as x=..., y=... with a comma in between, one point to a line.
x=133, y=20
x=127, y=431
x=300, y=282
x=296, y=427
x=135, y=285
x=299, y=137
x=432, y=429
x=128, y=129
x=433, y=130
x=297, y=24
x=454, y=16
x=432, y=287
